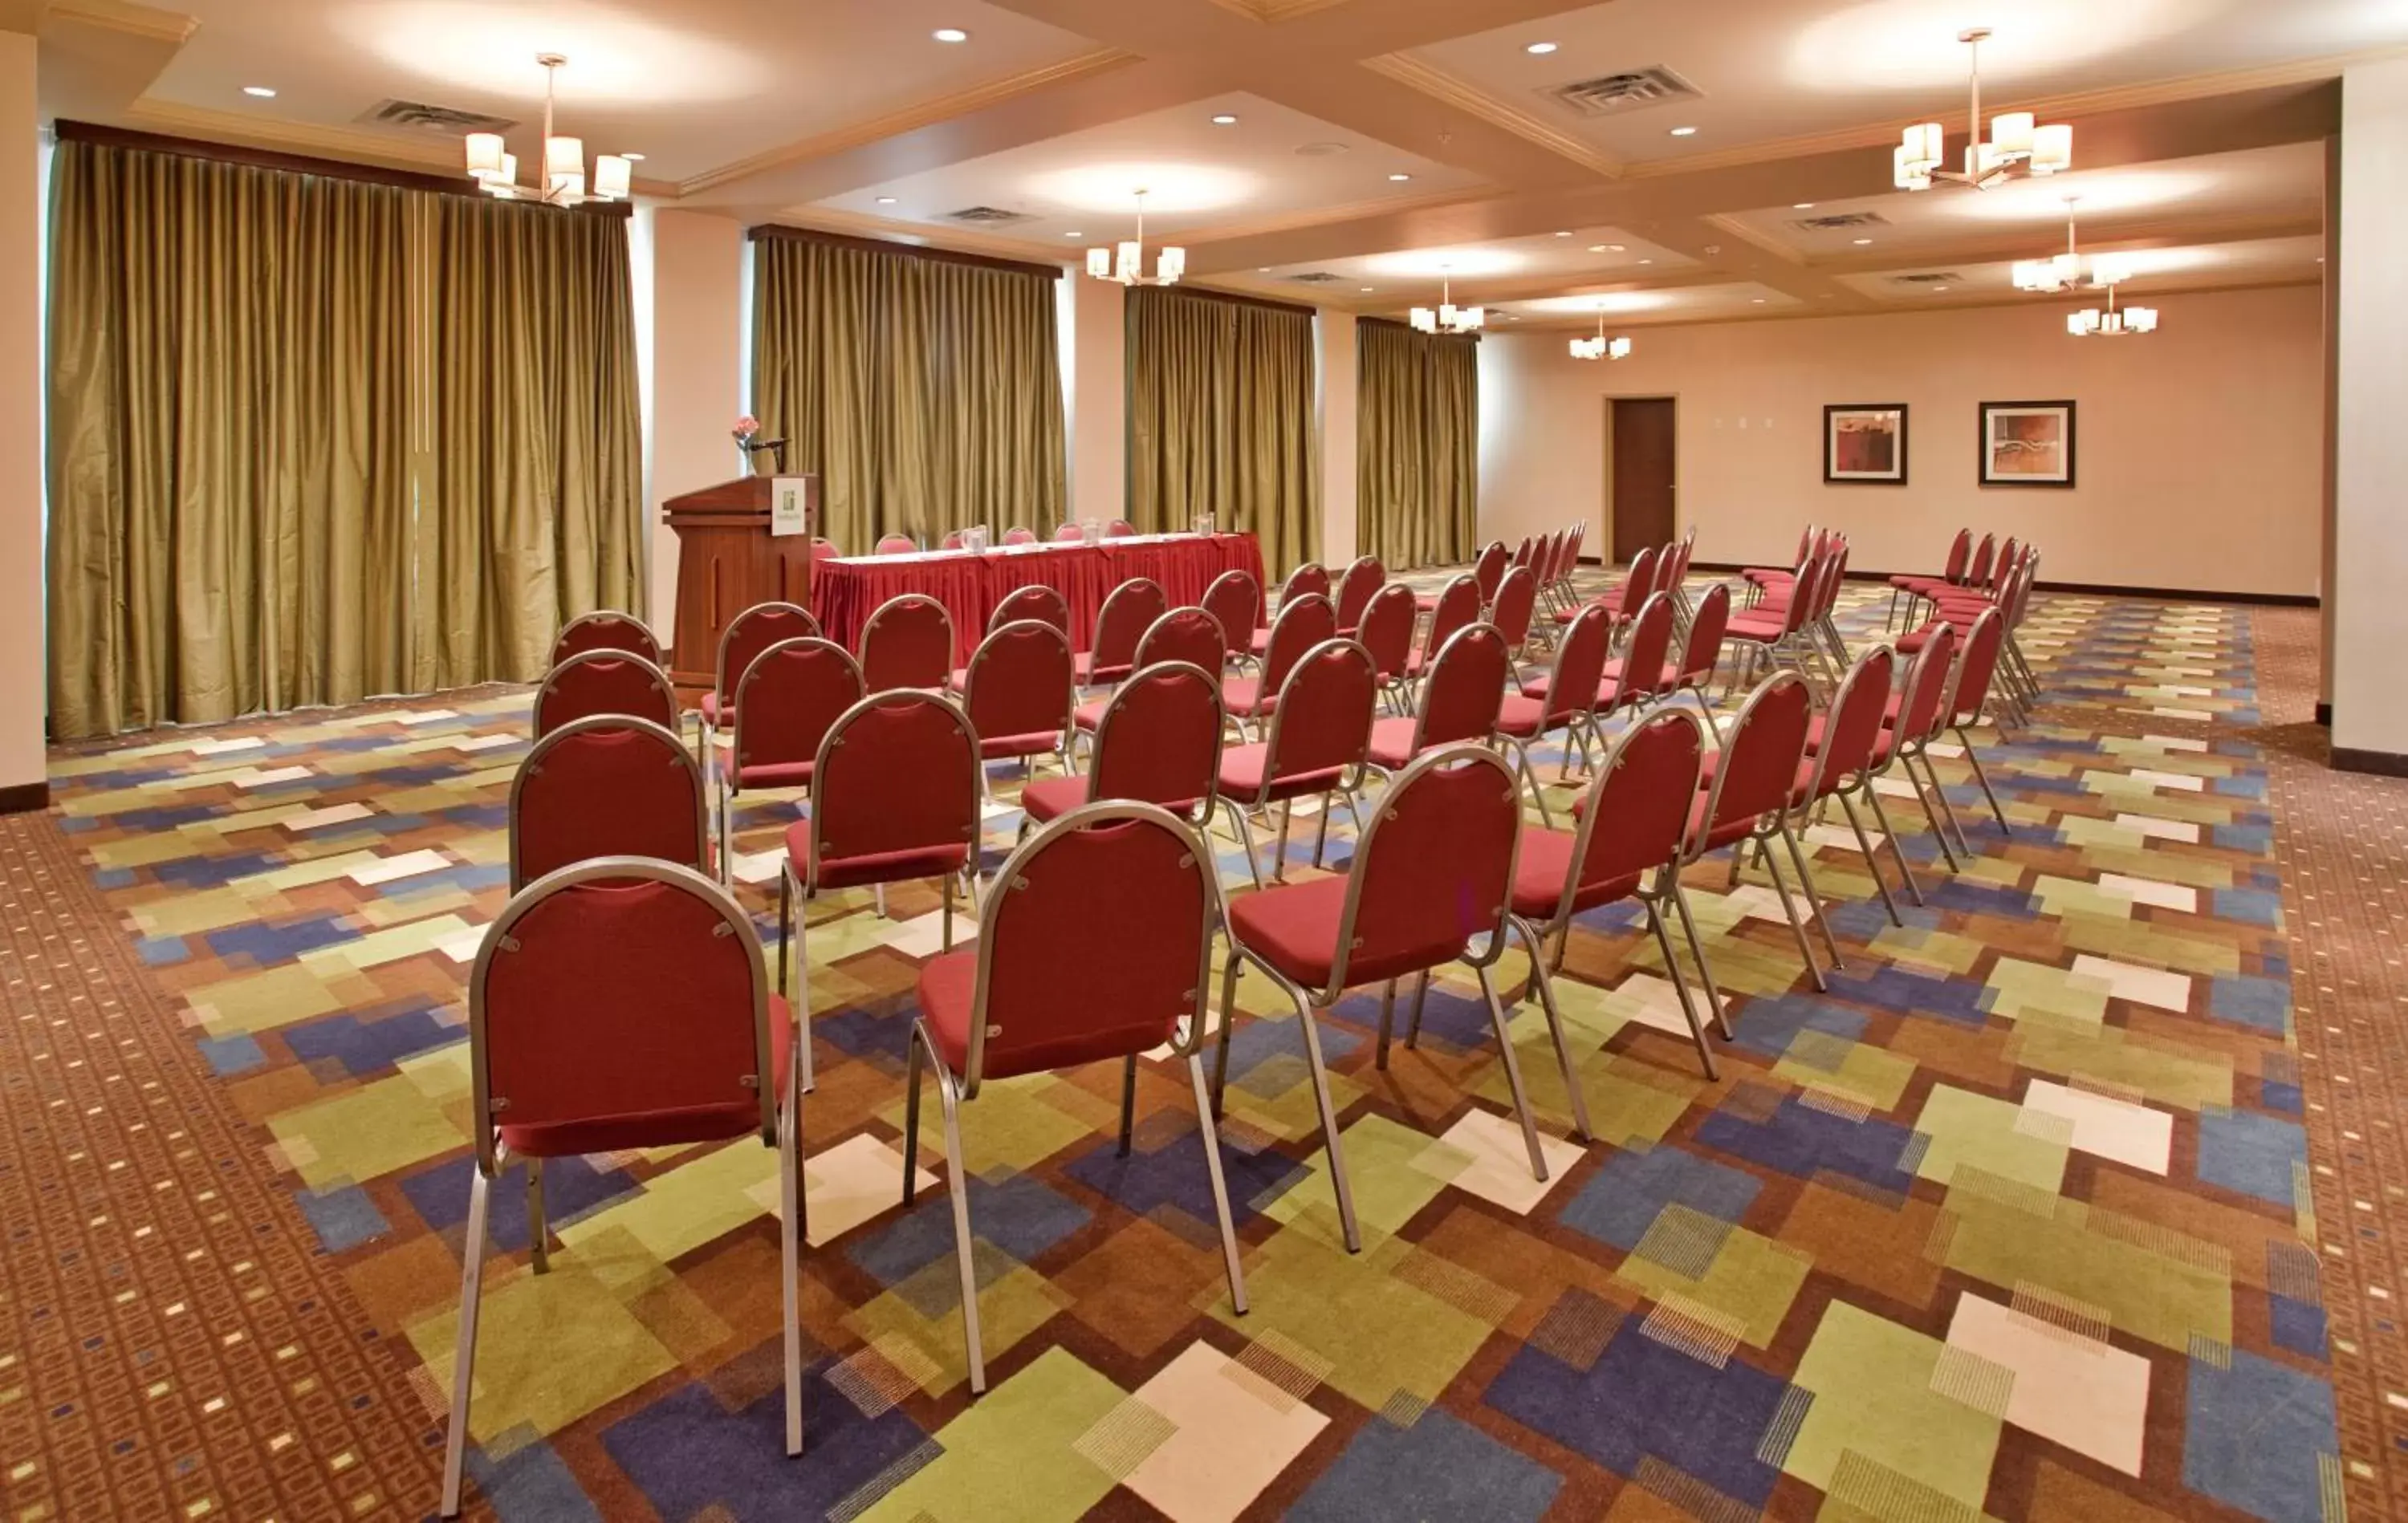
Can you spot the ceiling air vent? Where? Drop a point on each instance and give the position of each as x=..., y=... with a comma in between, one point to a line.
x=988, y=216
x=1926, y=277
x=417, y=116
x=1316, y=277
x=1614, y=95
x=1839, y=219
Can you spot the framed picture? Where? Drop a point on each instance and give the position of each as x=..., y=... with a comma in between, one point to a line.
x=1865, y=442
x=2027, y=444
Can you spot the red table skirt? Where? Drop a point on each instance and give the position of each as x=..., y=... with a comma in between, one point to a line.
x=846, y=591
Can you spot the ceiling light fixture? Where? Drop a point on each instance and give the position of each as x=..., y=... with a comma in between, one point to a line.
x=1597, y=247
x=2065, y=270
x=2018, y=144
x=886, y=200
x=1616, y=248
x=1401, y=178
x=1449, y=318
x=1861, y=242
x=1802, y=206
x=633, y=158
x=262, y=92
x=950, y=34
x=1224, y=119
x=1542, y=49
x=1601, y=348
x=563, y=180
x=1124, y=262
x=1684, y=132
x=1074, y=234
x=2090, y=322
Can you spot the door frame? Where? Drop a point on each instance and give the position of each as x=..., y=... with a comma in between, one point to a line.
x=1605, y=506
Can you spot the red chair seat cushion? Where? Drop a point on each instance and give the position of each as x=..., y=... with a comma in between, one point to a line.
x=738, y=1115
x=1090, y=715
x=1804, y=779
x=1294, y=928
x=1049, y=798
x=1036, y=742
x=1545, y=860
x=1750, y=626
x=716, y=713
x=949, y=990
x=958, y=680
x=1768, y=576
x=1521, y=717
x=1241, y=777
x=876, y=866
x=775, y=775
x=1085, y=668
x=1392, y=743
x=1259, y=641
x=1244, y=697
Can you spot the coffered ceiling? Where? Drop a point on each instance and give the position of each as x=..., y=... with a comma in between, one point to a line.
x=1378, y=147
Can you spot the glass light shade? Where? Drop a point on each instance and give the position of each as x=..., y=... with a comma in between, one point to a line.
x=2066, y=269
x=611, y=177
x=1588, y=348
x=1125, y=267
x=1425, y=320
x=503, y=185
x=568, y=190
x=2052, y=148
x=1922, y=145
x=562, y=158
x=1170, y=266
x=485, y=154
x=2141, y=319
x=1447, y=316
x=2011, y=134
x=2083, y=323
x=1473, y=319
x=2031, y=275
x=1618, y=349
x=1099, y=264
x=1906, y=174
x=2110, y=270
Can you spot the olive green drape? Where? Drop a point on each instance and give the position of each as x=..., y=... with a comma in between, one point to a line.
x=290, y=464
x=1221, y=403
x=926, y=393
x=1417, y=447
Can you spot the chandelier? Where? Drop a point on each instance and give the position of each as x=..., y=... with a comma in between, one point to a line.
x=2090, y=322
x=563, y=182
x=2065, y=270
x=2018, y=144
x=1449, y=318
x=1124, y=261
x=1601, y=348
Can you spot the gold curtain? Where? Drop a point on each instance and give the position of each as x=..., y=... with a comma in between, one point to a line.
x=253, y=506
x=1221, y=419
x=1417, y=455
x=926, y=393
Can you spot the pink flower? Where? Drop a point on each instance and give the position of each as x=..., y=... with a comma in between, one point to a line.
x=747, y=426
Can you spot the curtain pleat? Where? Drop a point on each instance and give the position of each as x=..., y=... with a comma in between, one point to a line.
x=248, y=513
x=1417, y=441
x=927, y=394
x=1221, y=419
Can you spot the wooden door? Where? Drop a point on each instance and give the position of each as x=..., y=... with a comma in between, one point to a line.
x=1645, y=482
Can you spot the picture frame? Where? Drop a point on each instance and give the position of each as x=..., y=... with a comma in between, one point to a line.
x=2025, y=444
x=1864, y=443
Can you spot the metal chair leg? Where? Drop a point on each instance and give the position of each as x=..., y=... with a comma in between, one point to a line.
x=790, y=1244
x=1204, y=1108
x=1413, y=1027
x=1228, y=1016
x=912, y=1116
x=1539, y=976
x=1321, y=833
x=1947, y=810
x=957, y=1184
x=1513, y=1075
x=1796, y=926
x=1984, y=778
x=464, y=1347
x=1128, y=1102
x=538, y=1228
x=1880, y=815
x=1387, y=1020
x=1328, y=1123
x=1947, y=851
x=1530, y=779
x=1245, y=838
x=1680, y=987
x=1813, y=896
x=1872, y=865
x=1697, y=950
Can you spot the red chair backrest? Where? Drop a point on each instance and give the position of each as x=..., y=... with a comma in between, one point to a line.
x=1020, y=533
x=897, y=544
x=607, y=786
x=1387, y=628
x=2003, y=566
x=1127, y=614
x=1434, y=869
x=1643, y=658
x=605, y=630
x=1490, y=568
x=1638, y=805
x=754, y=631
x=1019, y=681
x=1524, y=553
x=1517, y=597
x=1100, y=950
x=954, y=539
x=1040, y=602
x=1852, y=724
x=1805, y=545
x=1926, y=685
x=1236, y=599
x=1159, y=740
x=907, y=643
x=1552, y=555
x=1467, y=688
x=1705, y=644
x=802, y=686
x=1363, y=578
x=1310, y=578
x=604, y=681
x=1978, y=574
x=1640, y=582
x=898, y=773
x=1324, y=719
x=1677, y=570
x=1757, y=771
x=1970, y=690
x=1118, y=529
x=1580, y=665
x=1802, y=595
x=568, y=998
x=1304, y=622
x=1961, y=550
x=1458, y=607
x=1184, y=634
x=1069, y=531
x=825, y=549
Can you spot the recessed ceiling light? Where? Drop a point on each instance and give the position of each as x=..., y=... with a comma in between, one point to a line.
x=1756, y=301
x=950, y=34
x=886, y=200
x=1647, y=262
x=1074, y=234
x=633, y=158
x=1542, y=49
x=1937, y=289
x=1684, y=132
x=1401, y=178
x=1366, y=289
x=261, y=90
x=1224, y=119
x=1802, y=206
x=1597, y=247
x=1265, y=270
x=1563, y=234
x=1861, y=242
x=1616, y=248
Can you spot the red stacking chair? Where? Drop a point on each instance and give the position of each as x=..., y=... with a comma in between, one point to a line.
x=1038, y=602
x=1304, y=622
x=1701, y=651
x=1386, y=632
x=1631, y=825
x=1309, y=580
x=1624, y=599
x=1017, y=693
x=907, y=643
x=1020, y=533
x=1643, y=672
x=1236, y=599
x=1847, y=748
x=1777, y=629
x=1066, y=533
x=1127, y=614
x=621, y=1004
x=607, y=786
x=1363, y=578
x=1676, y=581
x=748, y=635
x=604, y=681
x=825, y=549
x=894, y=797
x=1746, y=793
x=1102, y=949
x=897, y=544
x=1158, y=742
x=1759, y=578
x=1914, y=588
x=1190, y=635
x=1516, y=601
x=1320, y=737
x=1460, y=704
x=1433, y=872
x=1969, y=694
x=1457, y=606
x=1493, y=552
x=954, y=539
x=1567, y=562
x=1560, y=700
x=1118, y=529
x=605, y=630
x=803, y=685
x=1912, y=719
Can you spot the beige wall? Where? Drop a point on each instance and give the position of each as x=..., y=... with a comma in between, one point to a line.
x=697, y=341
x=24, y=698
x=2371, y=507
x=2200, y=448
x=1337, y=382
x=1091, y=323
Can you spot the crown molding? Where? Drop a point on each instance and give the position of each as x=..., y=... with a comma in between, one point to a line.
x=909, y=119
x=1274, y=11
x=148, y=22
x=1465, y=96
x=1729, y=223
x=919, y=235
x=2157, y=233
x=1199, y=238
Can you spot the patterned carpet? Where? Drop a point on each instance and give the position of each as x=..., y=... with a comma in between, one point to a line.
x=2019, y=1220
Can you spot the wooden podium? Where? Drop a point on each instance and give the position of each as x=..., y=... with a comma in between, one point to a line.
x=728, y=561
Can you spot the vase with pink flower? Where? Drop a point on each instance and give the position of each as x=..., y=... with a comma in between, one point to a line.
x=748, y=445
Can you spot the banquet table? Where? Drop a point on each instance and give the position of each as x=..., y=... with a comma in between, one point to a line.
x=847, y=590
